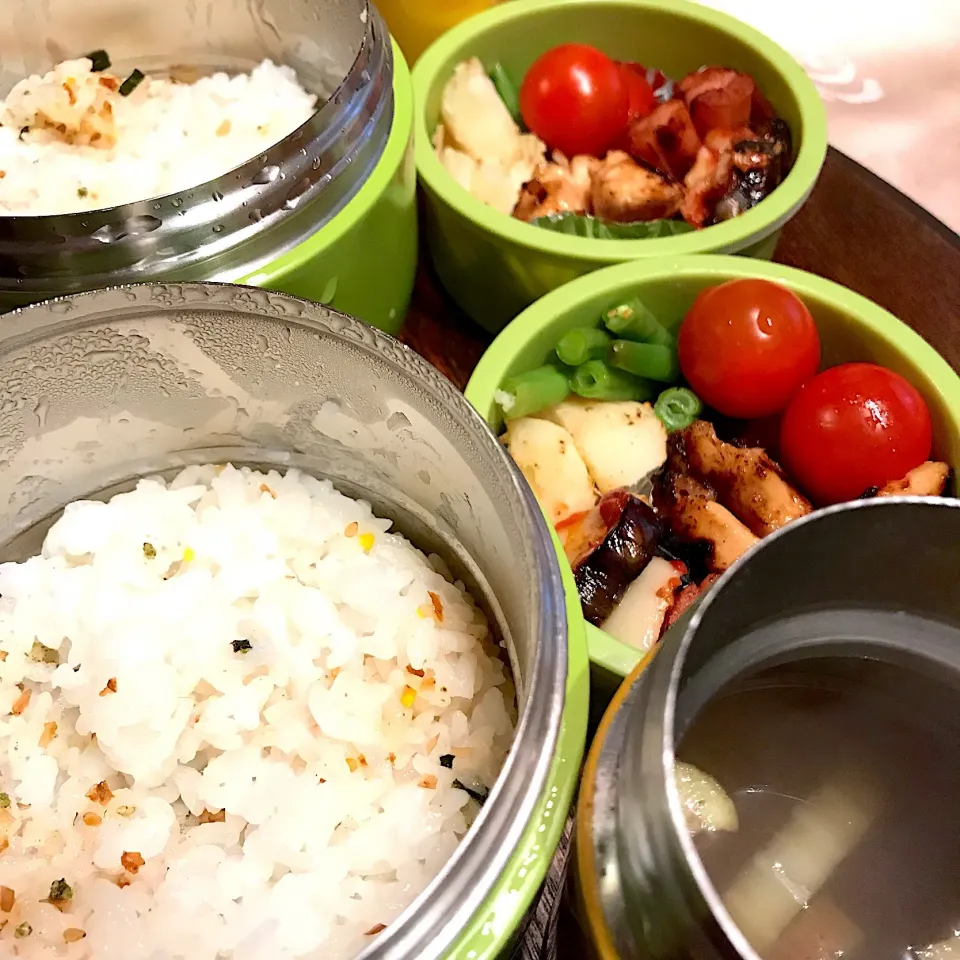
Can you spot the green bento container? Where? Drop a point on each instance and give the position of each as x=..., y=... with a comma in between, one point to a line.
x=494, y=265
x=851, y=328
x=376, y=232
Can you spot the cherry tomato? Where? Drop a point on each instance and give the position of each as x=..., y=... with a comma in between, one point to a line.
x=642, y=99
x=853, y=427
x=575, y=99
x=745, y=347
x=656, y=78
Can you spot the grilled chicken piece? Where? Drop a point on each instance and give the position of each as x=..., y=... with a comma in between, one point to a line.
x=927, y=480
x=665, y=140
x=713, y=175
x=689, y=507
x=558, y=186
x=626, y=192
x=747, y=481
x=760, y=163
x=709, y=180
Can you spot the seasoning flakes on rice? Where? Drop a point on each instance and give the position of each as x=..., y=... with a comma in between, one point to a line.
x=81, y=138
x=257, y=782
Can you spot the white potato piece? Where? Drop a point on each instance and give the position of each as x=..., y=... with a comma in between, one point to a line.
x=620, y=442
x=548, y=458
x=498, y=186
x=460, y=166
x=638, y=618
x=475, y=116
x=480, y=144
x=495, y=185
x=706, y=805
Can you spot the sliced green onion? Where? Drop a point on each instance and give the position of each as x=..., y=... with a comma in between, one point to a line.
x=99, y=61
x=633, y=321
x=650, y=360
x=533, y=391
x=597, y=380
x=131, y=83
x=582, y=344
x=508, y=92
x=677, y=408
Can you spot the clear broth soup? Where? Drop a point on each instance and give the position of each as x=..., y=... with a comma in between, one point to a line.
x=846, y=783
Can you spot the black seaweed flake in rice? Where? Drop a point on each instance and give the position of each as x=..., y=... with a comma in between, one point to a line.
x=131, y=83
x=241, y=646
x=447, y=761
x=478, y=793
x=99, y=61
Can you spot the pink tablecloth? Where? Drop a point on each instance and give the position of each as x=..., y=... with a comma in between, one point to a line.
x=889, y=71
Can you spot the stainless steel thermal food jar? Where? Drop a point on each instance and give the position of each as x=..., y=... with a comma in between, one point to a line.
x=873, y=580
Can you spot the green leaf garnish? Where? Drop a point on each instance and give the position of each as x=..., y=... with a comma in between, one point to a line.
x=582, y=225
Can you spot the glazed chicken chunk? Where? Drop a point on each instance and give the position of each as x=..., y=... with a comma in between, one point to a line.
x=747, y=480
x=690, y=509
x=625, y=192
x=558, y=186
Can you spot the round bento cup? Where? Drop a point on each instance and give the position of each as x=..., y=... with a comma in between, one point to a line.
x=494, y=265
x=851, y=328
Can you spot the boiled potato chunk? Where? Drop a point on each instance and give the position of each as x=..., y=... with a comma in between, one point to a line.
x=548, y=458
x=476, y=119
x=620, y=442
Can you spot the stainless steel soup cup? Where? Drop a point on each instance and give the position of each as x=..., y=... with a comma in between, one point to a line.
x=875, y=580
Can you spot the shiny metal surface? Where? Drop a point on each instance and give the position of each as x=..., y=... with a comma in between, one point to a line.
x=873, y=579
x=225, y=227
x=107, y=386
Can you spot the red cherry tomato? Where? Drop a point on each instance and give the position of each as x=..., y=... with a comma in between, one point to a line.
x=745, y=347
x=656, y=78
x=853, y=427
x=575, y=99
x=642, y=99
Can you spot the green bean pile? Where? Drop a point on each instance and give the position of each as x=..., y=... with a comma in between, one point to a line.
x=629, y=358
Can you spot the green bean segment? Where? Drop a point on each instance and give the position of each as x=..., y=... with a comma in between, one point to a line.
x=597, y=380
x=582, y=344
x=534, y=391
x=648, y=360
x=633, y=321
x=677, y=408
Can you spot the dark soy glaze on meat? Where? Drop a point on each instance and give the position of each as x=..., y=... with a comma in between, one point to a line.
x=603, y=574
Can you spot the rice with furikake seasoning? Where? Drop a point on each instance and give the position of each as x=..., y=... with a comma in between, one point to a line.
x=239, y=719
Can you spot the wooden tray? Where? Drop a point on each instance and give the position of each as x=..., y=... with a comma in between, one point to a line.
x=857, y=230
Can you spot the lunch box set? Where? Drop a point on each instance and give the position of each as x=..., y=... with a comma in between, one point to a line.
x=264, y=270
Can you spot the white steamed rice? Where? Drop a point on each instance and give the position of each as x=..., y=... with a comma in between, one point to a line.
x=289, y=800
x=70, y=142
